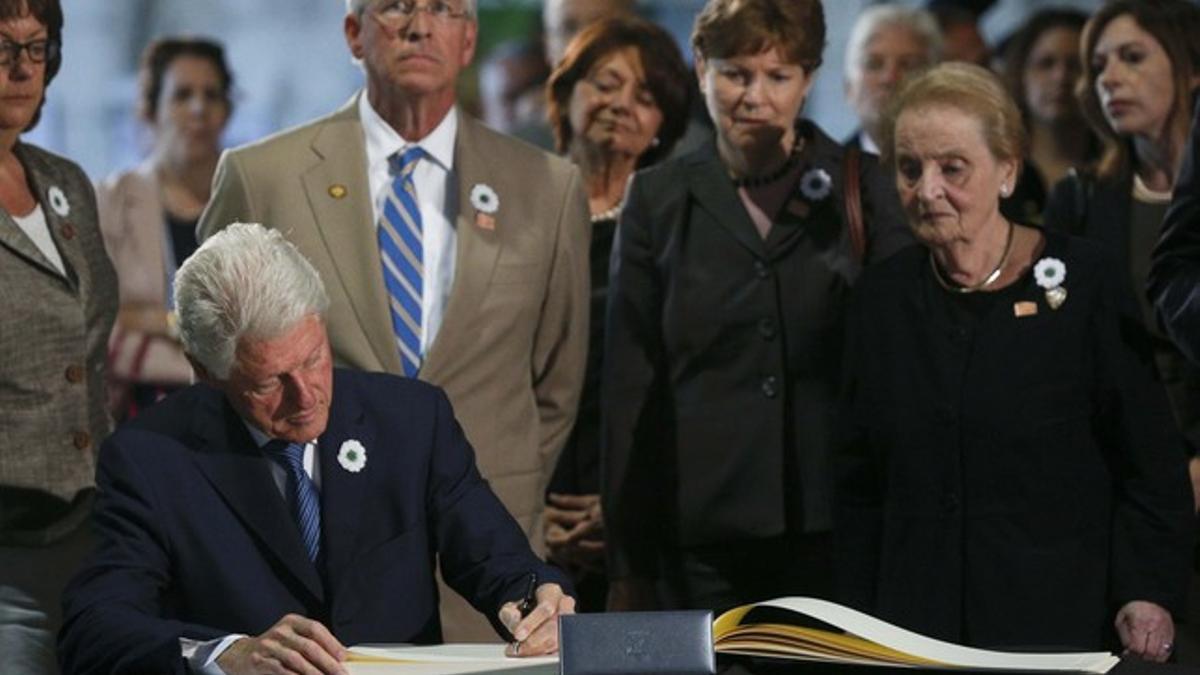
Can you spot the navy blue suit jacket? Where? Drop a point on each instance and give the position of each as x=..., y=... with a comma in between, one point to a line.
x=195, y=539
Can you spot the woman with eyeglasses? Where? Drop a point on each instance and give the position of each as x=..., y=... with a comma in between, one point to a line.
x=59, y=300
x=149, y=214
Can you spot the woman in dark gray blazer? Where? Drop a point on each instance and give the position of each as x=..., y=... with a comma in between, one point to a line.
x=59, y=300
x=729, y=279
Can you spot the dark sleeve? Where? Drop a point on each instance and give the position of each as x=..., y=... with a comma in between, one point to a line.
x=483, y=552
x=1174, y=282
x=1152, y=512
x=1067, y=205
x=883, y=216
x=859, y=487
x=112, y=609
x=630, y=384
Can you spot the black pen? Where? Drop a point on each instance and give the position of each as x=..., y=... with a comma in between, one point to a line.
x=530, y=600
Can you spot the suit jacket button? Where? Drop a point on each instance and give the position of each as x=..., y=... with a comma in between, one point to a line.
x=74, y=373
x=68, y=231
x=82, y=440
x=768, y=387
x=766, y=327
x=761, y=269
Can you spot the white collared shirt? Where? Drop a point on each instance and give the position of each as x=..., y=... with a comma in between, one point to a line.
x=277, y=471
x=867, y=144
x=34, y=225
x=437, y=199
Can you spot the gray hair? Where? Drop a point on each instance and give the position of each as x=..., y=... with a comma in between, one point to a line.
x=919, y=22
x=244, y=281
x=356, y=7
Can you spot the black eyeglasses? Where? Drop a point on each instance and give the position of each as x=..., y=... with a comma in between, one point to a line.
x=37, y=50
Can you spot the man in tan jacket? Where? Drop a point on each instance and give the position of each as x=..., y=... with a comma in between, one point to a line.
x=450, y=252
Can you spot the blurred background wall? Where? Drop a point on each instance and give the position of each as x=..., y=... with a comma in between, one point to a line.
x=291, y=63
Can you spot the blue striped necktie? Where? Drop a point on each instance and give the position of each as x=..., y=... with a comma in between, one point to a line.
x=306, y=503
x=402, y=254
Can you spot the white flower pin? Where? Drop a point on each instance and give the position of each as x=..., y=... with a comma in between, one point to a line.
x=58, y=201
x=1050, y=273
x=352, y=456
x=484, y=198
x=815, y=184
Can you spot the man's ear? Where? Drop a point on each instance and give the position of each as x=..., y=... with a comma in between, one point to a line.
x=352, y=29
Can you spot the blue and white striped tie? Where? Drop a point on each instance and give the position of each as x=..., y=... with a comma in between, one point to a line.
x=306, y=503
x=402, y=254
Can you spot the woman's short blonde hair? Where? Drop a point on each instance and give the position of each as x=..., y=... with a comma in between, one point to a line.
x=970, y=89
x=729, y=28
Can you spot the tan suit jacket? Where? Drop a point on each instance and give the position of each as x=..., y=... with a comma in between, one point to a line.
x=511, y=348
x=53, y=336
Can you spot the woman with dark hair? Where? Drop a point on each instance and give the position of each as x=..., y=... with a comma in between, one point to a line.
x=618, y=101
x=148, y=214
x=59, y=301
x=1041, y=65
x=731, y=270
x=1142, y=58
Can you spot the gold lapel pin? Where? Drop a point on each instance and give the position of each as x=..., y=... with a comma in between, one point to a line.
x=1024, y=308
x=337, y=191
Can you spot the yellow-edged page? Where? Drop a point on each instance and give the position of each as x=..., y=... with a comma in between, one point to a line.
x=869, y=639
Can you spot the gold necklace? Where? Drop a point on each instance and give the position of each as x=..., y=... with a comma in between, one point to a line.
x=988, y=281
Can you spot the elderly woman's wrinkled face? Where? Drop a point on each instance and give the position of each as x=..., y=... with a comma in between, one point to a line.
x=949, y=180
x=22, y=82
x=192, y=110
x=1134, y=79
x=753, y=99
x=612, y=109
x=1050, y=74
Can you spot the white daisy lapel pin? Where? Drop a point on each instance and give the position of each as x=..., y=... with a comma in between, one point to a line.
x=1050, y=273
x=486, y=203
x=58, y=201
x=815, y=184
x=352, y=456
x=814, y=187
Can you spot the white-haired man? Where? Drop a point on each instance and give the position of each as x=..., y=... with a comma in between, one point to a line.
x=450, y=252
x=281, y=509
x=887, y=43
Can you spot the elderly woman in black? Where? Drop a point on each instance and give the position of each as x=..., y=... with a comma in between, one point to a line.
x=730, y=275
x=1010, y=475
x=617, y=102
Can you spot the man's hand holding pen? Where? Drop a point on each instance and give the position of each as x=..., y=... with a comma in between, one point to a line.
x=533, y=620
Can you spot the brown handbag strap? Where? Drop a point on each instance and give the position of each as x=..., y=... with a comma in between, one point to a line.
x=852, y=192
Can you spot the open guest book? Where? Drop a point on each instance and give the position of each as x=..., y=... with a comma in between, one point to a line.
x=446, y=659
x=819, y=630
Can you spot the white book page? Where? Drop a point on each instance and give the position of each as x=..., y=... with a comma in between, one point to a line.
x=881, y=632
x=447, y=658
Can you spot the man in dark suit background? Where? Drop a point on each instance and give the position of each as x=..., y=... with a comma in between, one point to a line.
x=211, y=553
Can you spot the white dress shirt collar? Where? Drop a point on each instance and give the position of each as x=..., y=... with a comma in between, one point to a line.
x=261, y=438
x=383, y=141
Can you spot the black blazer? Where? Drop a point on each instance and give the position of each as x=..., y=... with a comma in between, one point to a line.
x=722, y=354
x=1101, y=209
x=1174, y=283
x=1006, y=480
